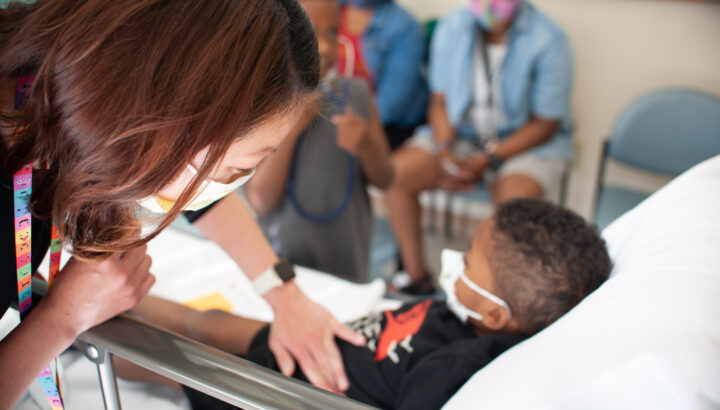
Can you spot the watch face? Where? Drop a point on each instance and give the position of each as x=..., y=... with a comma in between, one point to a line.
x=495, y=162
x=285, y=270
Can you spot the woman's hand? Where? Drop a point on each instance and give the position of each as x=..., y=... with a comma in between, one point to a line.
x=305, y=331
x=88, y=293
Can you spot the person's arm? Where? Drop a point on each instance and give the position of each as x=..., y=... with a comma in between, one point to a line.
x=440, y=74
x=217, y=328
x=443, y=131
x=266, y=189
x=302, y=330
x=367, y=141
x=400, y=76
x=29, y=348
x=83, y=295
x=536, y=132
x=444, y=135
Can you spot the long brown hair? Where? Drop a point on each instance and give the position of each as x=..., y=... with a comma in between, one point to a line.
x=127, y=92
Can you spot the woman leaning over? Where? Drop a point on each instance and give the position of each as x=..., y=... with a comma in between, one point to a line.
x=106, y=105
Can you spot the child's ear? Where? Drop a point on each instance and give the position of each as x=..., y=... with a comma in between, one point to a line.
x=495, y=318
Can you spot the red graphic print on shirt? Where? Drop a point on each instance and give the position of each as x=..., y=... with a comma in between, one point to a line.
x=399, y=331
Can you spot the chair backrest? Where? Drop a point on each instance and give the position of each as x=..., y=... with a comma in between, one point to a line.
x=667, y=131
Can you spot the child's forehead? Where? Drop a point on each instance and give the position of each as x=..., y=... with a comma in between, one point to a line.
x=320, y=9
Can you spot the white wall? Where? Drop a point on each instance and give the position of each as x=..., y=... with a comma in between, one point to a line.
x=623, y=48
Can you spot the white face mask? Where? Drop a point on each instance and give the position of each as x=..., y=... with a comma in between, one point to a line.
x=209, y=192
x=453, y=268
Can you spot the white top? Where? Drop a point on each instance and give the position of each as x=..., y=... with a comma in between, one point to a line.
x=483, y=118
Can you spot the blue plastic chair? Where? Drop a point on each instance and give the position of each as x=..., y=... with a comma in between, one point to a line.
x=663, y=132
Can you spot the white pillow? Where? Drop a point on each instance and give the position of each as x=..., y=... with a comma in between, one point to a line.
x=649, y=337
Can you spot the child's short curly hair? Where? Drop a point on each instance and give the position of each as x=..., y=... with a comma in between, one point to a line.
x=546, y=259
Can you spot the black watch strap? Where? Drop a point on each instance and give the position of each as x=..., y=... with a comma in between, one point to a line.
x=494, y=162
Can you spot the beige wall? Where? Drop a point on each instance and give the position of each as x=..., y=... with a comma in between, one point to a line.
x=623, y=48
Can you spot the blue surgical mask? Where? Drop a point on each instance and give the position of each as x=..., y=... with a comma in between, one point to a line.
x=452, y=269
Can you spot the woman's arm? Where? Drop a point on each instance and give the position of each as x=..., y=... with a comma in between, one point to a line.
x=266, y=188
x=43, y=335
x=83, y=295
x=302, y=330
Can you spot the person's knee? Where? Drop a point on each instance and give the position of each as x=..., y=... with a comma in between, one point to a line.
x=415, y=171
x=515, y=186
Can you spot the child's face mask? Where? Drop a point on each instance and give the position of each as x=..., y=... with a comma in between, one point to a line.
x=491, y=12
x=209, y=192
x=453, y=268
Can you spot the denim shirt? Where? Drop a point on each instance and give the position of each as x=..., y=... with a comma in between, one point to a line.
x=394, y=49
x=537, y=74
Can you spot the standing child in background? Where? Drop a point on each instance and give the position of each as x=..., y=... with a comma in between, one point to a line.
x=384, y=45
x=311, y=195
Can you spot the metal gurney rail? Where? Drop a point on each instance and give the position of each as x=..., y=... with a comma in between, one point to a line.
x=201, y=367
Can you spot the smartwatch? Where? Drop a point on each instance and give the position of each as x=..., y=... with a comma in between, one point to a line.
x=494, y=162
x=275, y=276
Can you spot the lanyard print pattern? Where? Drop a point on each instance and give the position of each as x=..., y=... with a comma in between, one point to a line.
x=22, y=190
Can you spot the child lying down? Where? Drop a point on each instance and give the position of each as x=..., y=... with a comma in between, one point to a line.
x=527, y=266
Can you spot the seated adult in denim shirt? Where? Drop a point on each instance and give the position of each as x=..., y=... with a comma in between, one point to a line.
x=500, y=79
x=383, y=44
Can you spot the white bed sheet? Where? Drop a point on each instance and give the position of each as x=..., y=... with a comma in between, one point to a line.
x=188, y=267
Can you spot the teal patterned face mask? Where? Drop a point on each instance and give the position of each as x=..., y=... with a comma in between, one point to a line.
x=491, y=12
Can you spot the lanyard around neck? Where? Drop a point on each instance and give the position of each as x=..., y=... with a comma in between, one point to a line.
x=22, y=191
x=491, y=101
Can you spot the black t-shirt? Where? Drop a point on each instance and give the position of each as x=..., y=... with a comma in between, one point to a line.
x=41, y=230
x=416, y=357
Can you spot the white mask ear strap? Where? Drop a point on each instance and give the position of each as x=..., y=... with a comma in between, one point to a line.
x=473, y=314
x=485, y=293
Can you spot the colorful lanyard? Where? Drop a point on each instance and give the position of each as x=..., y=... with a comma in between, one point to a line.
x=340, y=103
x=22, y=190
